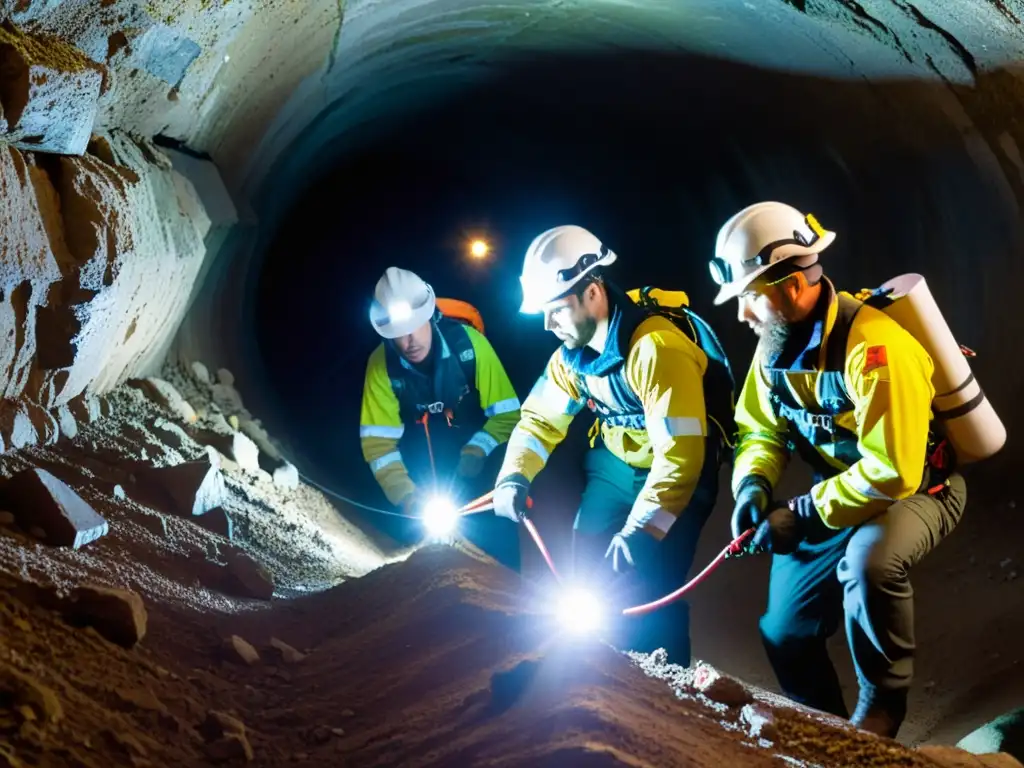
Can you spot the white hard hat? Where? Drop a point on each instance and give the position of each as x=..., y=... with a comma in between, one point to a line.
x=555, y=261
x=759, y=237
x=402, y=302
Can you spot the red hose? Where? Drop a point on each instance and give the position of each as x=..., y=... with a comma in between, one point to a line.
x=732, y=548
x=540, y=545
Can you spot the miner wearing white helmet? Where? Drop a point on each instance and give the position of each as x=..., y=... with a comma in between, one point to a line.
x=435, y=370
x=851, y=390
x=640, y=362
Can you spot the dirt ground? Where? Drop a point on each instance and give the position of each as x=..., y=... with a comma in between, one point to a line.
x=435, y=659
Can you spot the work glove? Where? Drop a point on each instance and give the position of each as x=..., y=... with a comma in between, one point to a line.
x=510, y=495
x=632, y=551
x=785, y=527
x=752, y=499
x=471, y=463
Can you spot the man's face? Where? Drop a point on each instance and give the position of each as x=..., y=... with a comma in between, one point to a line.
x=415, y=346
x=571, y=321
x=768, y=310
x=759, y=308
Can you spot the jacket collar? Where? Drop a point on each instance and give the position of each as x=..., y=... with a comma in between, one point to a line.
x=626, y=316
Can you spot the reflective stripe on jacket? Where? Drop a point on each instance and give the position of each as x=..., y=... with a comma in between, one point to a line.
x=665, y=370
x=381, y=426
x=888, y=378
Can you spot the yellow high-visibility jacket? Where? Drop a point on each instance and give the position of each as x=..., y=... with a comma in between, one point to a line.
x=888, y=377
x=665, y=369
x=381, y=425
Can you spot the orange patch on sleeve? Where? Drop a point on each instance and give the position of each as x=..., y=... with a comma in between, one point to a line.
x=875, y=357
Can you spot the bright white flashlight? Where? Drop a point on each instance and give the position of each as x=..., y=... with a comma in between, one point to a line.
x=440, y=517
x=399, y=311
x=580, y=611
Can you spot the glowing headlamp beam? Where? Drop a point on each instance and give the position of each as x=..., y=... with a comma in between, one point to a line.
x=580, y=611
x=440, y=517
x=399, y=311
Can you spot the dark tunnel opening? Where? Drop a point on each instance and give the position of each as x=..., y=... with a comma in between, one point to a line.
x=653, y=151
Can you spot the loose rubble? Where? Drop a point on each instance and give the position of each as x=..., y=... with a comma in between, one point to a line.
x=197, y=664
x=117, y=614
x=225, y=736
x=190, y=489
x=242, y=650
x=288, y=654
x=41, y=501
x=248, y=578
x=720, y=688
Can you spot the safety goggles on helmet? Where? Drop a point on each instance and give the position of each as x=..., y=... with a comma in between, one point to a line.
x=722, y=271
x=585, y=262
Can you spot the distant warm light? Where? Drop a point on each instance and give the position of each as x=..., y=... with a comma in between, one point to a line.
x=479, y=248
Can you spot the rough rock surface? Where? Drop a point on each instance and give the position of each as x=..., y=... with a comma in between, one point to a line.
x=191, y=488
x=242, y=650
x=437, y=659
x=247, y=578
x=49, y=91
x=102, y=253
x=40, y=500
x=720, y=688
x=163, y=393
x=117, y=614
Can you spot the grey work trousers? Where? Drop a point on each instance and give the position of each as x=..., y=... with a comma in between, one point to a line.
x=864, y=573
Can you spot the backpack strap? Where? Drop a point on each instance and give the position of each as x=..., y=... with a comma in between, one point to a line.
x=719, y=381
x=839, y=336
x=461, y=346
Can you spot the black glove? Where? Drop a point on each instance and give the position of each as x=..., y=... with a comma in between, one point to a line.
x=785, y=526
x=629, y=551
x=752, y=499
x=510, y=496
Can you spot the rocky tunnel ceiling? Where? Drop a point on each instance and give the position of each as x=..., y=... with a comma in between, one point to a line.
x=347, y=133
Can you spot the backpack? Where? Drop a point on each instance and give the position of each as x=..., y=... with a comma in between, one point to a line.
x=719, y=382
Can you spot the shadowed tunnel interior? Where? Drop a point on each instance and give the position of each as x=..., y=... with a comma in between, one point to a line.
x=653, y=151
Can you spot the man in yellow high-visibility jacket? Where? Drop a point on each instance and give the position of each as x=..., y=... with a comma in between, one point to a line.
x=653, y=465
x=435, y=373
x=851, y=390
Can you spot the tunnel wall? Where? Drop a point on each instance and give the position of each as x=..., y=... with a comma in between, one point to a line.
x=101, y=242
